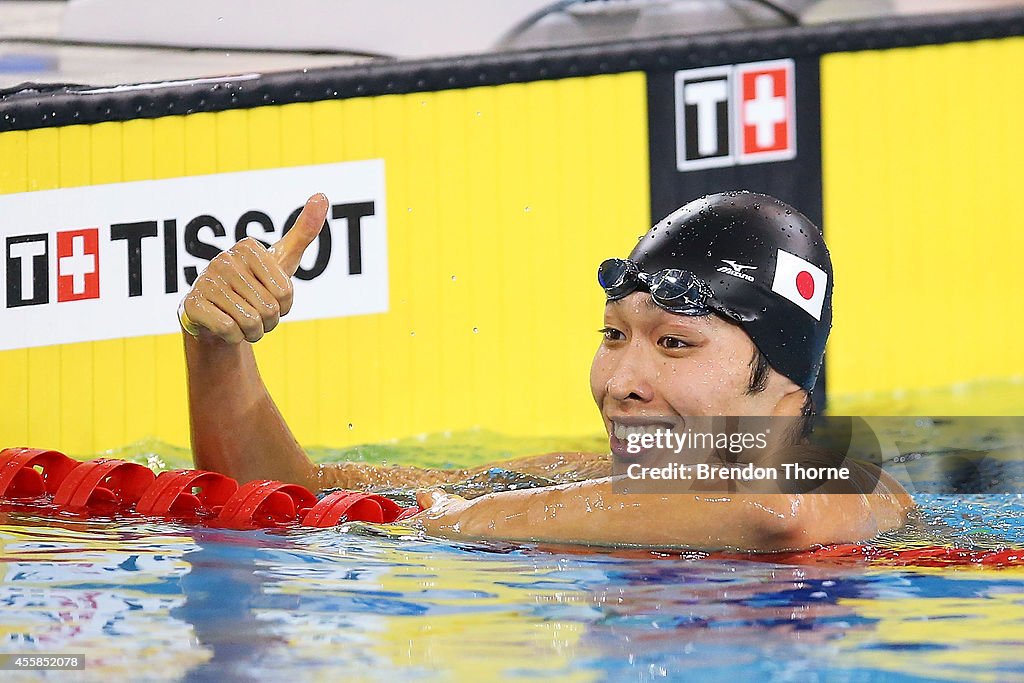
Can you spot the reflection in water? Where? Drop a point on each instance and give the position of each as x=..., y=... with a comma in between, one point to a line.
x=222, y=592
x=99, y=588
x=197, y=604
x=149, y=601
x=746, y=619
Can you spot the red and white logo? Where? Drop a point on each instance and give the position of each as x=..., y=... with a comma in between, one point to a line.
x=766, y=112
x=120, y=268
x=801, y=282
x=78, y=264
x=729, y=115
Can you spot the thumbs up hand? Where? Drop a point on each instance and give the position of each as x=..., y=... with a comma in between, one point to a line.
x=245, y=290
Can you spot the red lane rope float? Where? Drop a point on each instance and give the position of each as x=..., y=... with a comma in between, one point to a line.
x=19, y=477
x=103, y=485
x=341, y=506
x=266, y=504
x=49, y=482
x=187, y=494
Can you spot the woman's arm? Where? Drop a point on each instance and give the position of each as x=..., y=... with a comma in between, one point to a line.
x=592, y=513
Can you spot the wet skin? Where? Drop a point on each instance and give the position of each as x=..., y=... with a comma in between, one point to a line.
x=653, y=364
x=649, y=365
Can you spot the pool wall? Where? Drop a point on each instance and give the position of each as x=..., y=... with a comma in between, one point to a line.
x=506, y=180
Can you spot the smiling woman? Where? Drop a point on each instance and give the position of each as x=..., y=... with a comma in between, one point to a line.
x=682, y=338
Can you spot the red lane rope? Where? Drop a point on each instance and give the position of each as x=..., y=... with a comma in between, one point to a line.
x=49, y=482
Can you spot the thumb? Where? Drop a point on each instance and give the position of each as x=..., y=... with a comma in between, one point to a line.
x=289, y=249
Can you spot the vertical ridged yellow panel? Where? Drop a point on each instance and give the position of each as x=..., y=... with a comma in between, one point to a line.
x=421, y=241
x=44, y=366
x=500, y=203
x=481, y=238
x=14, y=419
x=169, y=154
x=922, y=163
x=394, y=344
x=331, y=140
x=577, y=267
x=111, y=398
x=523, y=370
x=299, y=340
x=232, y=135
x=78, y=385
x=201, y=143
x=14, y=170
x=541, y=220
x=141, y=360
x=513, y=277
x=343, y=130
x=453, y=115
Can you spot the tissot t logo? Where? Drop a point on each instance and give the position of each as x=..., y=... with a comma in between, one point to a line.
x=28, y=272
x=110, y=261
x=703, y=117
x=728, y=115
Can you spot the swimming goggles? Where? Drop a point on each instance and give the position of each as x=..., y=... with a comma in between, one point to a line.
x=675, y=290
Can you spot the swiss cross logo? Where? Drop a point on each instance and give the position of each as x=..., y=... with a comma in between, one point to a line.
x=118, y=270
x=766, y=116
x=729, y=115
x=78, y=264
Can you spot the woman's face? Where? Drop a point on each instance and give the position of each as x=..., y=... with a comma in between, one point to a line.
x=654, y=367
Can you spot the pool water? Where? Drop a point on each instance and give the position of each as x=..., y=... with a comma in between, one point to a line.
x=169, y=602
x=162, y=601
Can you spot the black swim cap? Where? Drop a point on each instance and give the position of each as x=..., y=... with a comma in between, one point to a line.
x=768, y=269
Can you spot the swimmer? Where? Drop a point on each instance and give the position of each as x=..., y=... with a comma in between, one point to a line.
x=723, y=308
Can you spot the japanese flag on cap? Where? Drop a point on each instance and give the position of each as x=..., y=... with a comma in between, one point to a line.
x=801, y=282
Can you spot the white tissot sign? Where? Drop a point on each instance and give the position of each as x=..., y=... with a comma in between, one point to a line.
x=113, y=261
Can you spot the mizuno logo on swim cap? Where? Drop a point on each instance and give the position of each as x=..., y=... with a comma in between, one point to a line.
x=801, y=282
x=759, y=256
x=736, y=269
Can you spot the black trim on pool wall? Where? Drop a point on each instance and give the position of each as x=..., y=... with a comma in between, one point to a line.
x=48, y=106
